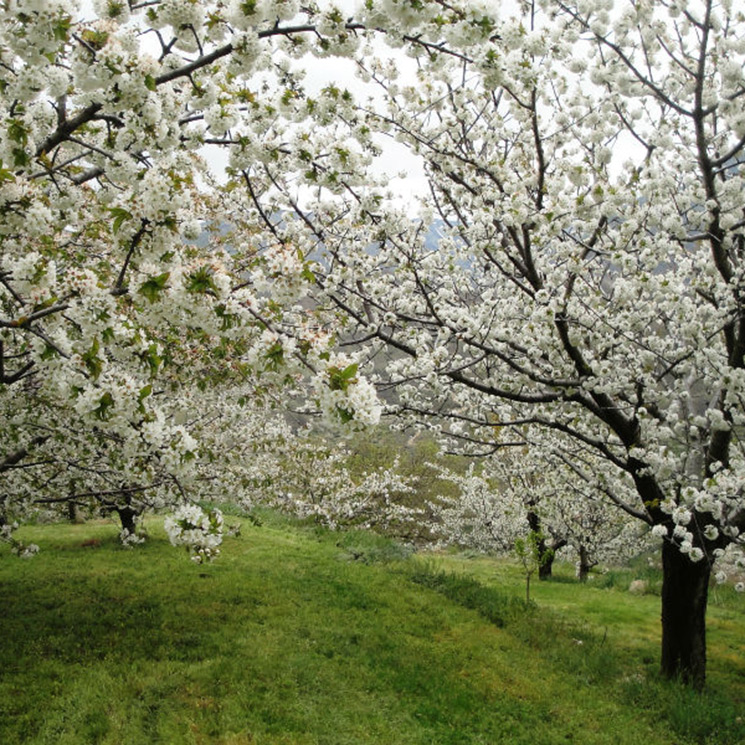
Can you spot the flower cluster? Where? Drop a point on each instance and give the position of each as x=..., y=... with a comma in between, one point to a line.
x=130, y=538
x=22, y=550
x=198, y=531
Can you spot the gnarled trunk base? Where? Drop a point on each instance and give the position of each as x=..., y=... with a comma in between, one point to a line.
x=547, y=553
x=128, y=518
x=545, y=570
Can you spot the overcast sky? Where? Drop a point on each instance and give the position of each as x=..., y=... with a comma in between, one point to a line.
x=404, y=169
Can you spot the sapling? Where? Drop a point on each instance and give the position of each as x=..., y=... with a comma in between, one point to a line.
x=533, y=553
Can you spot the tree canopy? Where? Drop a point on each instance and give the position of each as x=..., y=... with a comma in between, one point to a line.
x=584, y=297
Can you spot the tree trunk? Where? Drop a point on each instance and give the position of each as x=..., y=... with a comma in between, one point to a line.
x=583, y=571
x=546, y=564
x=545, y=569
x=685, y=591
x=74, y=514
x=127, y=516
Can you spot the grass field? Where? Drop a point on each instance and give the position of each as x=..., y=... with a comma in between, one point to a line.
x=296, y=636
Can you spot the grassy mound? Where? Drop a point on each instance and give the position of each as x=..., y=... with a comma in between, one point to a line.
x=300, y=637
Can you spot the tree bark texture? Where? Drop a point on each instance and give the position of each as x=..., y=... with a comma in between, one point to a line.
x=685, y=592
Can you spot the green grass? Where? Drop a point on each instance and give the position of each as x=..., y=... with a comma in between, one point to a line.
x=296, y=636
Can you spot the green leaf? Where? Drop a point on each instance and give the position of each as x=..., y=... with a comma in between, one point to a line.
x=344, y=415
x=152, y=359
x=48, y=353
x=20, y=158
x=120, y=215
x=92, y=361
x=17, y=131
x=153, y=286
x=115, y=8
x=104, y=404
x=275, y=356
x=61, y=28
x=228, y=320
x=246, y=96
x=95, y=40
x=201, y=282
x=6, y=175
x=308, y=274
x=340, y=380
x=150, y=83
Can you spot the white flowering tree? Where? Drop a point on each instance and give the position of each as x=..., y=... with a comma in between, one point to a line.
x=484, y=516
x=585, y=173
x=314, y=480
x=526, y=490
x=112, y=308
x=585, y=167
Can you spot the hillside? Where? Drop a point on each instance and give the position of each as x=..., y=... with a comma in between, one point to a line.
x=296, y=636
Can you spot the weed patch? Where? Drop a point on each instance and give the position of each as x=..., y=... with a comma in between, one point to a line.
x=495, y=607
x=570, y=647
x=370, y=548
x=703, y=718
